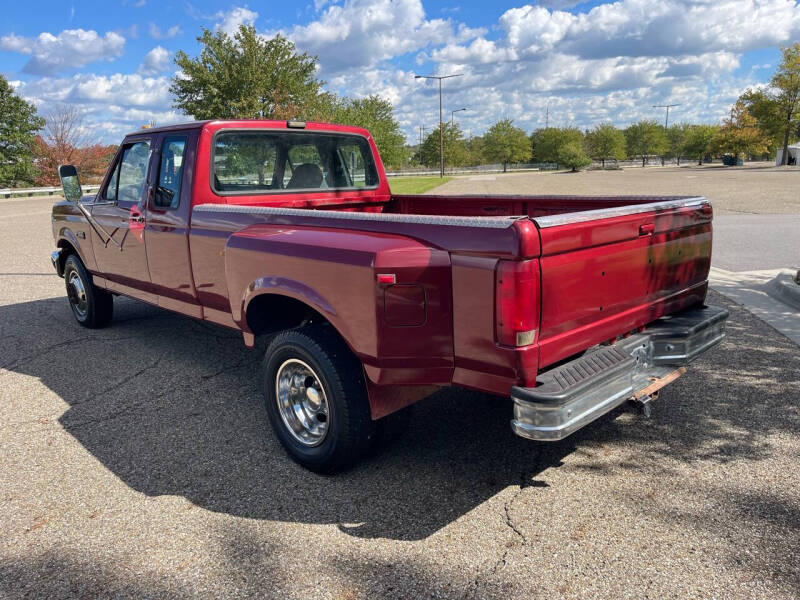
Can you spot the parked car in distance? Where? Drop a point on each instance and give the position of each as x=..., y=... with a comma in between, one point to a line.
x=372, y=301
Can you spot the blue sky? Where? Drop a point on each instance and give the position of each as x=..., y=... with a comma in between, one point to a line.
x=588, y=62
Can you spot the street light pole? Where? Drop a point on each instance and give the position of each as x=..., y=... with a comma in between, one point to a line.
x=441, y=135
x=666, y=122
x=667, y=106
x=452, y=112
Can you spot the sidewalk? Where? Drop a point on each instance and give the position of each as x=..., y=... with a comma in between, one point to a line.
x=750, y=289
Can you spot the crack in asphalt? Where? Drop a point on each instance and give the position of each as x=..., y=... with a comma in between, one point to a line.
x=116, y=384
x=509, y=521
x=46, y=350
x=234, y=367
x=124, y=413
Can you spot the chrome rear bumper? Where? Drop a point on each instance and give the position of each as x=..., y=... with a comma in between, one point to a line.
x=576, y=393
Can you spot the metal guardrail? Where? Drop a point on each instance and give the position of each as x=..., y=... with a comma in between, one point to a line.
x=42, y=191
x=477, y=170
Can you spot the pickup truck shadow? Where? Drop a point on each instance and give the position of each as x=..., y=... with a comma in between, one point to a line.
x=171, y=406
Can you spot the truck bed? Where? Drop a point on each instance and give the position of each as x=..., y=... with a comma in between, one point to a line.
x=607, y=265
x=607, y=262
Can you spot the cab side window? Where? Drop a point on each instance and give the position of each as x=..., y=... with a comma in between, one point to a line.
x=110, y=193
x=170, y=172
x=130, y=172
x=133, y=172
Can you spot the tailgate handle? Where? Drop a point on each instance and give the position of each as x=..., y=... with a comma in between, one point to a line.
x=647, y=228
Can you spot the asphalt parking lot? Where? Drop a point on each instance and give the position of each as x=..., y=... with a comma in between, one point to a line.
x=136, y=461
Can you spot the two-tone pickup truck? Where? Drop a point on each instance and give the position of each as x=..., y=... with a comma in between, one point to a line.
x=372, y=301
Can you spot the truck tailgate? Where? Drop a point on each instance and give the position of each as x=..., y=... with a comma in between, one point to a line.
x=607, y=272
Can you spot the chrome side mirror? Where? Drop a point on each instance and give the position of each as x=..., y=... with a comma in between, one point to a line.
x=70, y=183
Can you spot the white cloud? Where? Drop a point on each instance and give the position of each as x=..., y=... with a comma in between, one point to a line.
x=609, y=63
x=230, y=21
x=72, y=48
x=320, y=4
x=129, y=90
x=364, y=32
x=112, y=105
x=156, y=61
x=157, y=33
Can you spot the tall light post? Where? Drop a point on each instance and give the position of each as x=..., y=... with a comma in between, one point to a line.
x=666, y=121
x=667, y=106
x=441, y=137
x=452, y=112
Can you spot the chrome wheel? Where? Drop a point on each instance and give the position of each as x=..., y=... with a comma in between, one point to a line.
x=302, y=402
x=76, y=293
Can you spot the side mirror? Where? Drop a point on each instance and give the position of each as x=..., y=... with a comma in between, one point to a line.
x=68, y=175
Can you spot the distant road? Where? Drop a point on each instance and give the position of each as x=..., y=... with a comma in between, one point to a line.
x=756, y=207
x=755, y=242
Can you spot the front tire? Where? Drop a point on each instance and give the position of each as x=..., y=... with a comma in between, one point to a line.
x=93, y=307
x=316, y=398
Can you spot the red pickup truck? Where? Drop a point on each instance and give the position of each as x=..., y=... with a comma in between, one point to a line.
x=372, y=301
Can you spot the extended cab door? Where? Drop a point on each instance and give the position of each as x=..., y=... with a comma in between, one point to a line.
x=167, y=222
x=119, y=211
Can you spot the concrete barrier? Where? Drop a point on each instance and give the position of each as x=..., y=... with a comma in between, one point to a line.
x=784, y=288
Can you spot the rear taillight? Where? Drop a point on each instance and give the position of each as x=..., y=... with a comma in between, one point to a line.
x=517, y=302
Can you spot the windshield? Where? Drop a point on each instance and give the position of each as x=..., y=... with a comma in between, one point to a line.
x=262, y=162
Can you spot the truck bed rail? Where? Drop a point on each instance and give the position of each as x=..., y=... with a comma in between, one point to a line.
x=618, y=211
x=500, y=222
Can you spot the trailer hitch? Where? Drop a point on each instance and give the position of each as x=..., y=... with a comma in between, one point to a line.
x=644, y=397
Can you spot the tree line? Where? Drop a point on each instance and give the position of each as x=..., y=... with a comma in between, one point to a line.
x=249, y=76
x=32, y=147
x=761, y=121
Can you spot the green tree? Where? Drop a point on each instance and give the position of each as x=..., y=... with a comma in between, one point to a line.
x=573, y=156
x=698, y=140
x=246, y=77
x=776, y=108
x=455, y=149
x=546, y=142
x=676, y=137
x=506, y=144
x=740, y=135
x=785, y=84
x=377, y=115
x=605, y=142
x=475, y=146
x=761, y=104
x=645, y=138
x=18, y=125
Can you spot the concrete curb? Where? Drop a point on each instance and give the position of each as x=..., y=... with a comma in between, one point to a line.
x=784, y=288
x=752, y=290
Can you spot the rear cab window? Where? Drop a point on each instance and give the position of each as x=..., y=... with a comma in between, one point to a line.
x=170, y=173
x=274, y=161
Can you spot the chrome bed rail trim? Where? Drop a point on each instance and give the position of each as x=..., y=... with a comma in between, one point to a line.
x=618, y=211
x=502, y=222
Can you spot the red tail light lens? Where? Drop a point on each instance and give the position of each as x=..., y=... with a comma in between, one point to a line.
x=517, y=302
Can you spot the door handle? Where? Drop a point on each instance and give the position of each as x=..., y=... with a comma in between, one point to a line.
x=647, y=228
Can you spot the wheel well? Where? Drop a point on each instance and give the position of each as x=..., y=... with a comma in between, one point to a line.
x=66, y=249
x=269, y=313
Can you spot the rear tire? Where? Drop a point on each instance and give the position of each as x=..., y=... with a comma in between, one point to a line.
x=92, y=306
x=316, y=398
